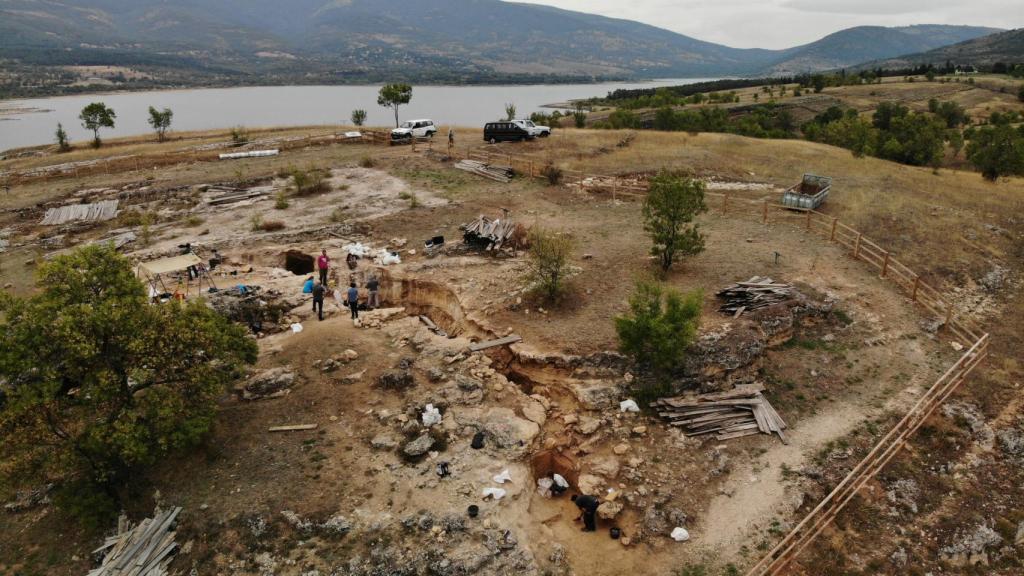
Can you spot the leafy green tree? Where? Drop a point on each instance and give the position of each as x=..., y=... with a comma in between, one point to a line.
x=665, y=119
x=818, y=82
x=660, y=326
x=915, y=139
x=886, y=113
x=673, y=202
x=96, y=383
x=394, y=95
x=548, y=262
x=951, y=113
x=997, y=151
x=510, y=111
x=956, y=141
x=623, y=119
x=358, y=116
x=62, y=139
x=95, y=116
x=160, y=120
x=1020, y=93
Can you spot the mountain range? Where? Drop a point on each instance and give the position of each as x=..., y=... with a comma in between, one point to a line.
x=339, y=41
x=1006, y=47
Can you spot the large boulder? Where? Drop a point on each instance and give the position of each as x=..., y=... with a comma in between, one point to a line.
x=501, y=427
x=270, y=383
x=420, y=446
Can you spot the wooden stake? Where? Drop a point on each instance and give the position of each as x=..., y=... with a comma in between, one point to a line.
x=856, y=246
x=913, y=293
x=808, y=220
x=765, y=218
x=725, y=203
x=885, y=265
x=832, y=236
x=949, y=315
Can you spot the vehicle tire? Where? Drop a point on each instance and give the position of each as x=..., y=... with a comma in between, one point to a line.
x=545, y=134
x=493, y=141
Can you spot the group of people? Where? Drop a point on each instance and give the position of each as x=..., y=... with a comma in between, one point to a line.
x=319, y=288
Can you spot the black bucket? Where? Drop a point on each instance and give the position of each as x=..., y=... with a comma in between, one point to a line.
x=478, y=441
x=473, y=510
x=615, y=532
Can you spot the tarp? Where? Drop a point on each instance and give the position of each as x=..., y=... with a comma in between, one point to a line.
x=165, y=265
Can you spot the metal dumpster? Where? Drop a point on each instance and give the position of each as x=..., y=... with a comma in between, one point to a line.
x=809, y=193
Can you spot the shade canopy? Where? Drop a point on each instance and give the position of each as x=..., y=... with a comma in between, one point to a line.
x=164, y=265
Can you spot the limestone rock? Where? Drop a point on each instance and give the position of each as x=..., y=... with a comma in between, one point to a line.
x=534, y=412
x=590, y=484
x=384, y=441
x=588, y=425
x=420, y=446
x=621, y=449
x=270, y=383
x=609, y=510
x=399, y=379
x=596, y=394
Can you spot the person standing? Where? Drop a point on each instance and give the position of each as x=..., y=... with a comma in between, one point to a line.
x=353, y=300
x=588, y=511
x=318, y=299
x=373, y=287
x=323, y=263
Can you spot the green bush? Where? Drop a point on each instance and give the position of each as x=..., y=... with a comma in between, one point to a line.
x=548, y=261
x=552, y=173
x=672, y=203
x=660, y=326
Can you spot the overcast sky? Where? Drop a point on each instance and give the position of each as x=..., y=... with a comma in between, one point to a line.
x=785, y=23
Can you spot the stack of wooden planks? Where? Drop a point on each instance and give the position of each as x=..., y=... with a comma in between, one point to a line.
x=99, y=211
x=497, y=173
x=741, y=411
x=492, y=233
x=755, y=293
x=141, y=551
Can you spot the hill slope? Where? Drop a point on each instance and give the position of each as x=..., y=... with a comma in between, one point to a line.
x=338, y=41
x=857, y=45
x=1005, y=46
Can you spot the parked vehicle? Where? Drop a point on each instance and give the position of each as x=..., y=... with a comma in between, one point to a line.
x=537, y=130
x=506, y=131
x=809, y=193
x=414, y=128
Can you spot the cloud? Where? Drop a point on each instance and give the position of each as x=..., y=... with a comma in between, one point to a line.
x=869, y=6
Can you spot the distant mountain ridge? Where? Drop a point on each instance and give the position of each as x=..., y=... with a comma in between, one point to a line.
x=338, y=41
x=1006, y=46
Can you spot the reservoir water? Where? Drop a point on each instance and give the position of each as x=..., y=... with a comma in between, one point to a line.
x=33, y=122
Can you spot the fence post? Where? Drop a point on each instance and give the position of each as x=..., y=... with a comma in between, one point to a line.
x=913, y=293
x=765, y=217
x=725, y=203
x=856, y=246
x=808, y=220
x=885, y=265
x=832, y=235
x=949, y=315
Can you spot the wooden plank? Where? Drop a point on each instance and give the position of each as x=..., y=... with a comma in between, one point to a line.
x=511, y=339
x=731, y=435
x=292, y=427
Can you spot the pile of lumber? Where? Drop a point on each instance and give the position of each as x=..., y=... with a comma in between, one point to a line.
x=141, y=551
x=498, y=173
x=741, y=411
x=99, y=211
x=486, y=232
x=755, y=293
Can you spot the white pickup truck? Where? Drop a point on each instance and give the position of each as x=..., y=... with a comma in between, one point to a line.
x=414, y=128
x=535, y=130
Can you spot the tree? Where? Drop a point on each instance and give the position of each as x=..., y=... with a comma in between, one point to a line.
x=818, y=82
x=62, y=139
x=160, y=120
x=886, y=113
x=1020, y=93
x=358, y=116
x=579, y=116
x=660, y=326
x=956, y=141
x=98, y=383
x=672, y=203
x=510, y=111
x=997, y=151
x=549, y=261
x=394, y=95
x=96, y=116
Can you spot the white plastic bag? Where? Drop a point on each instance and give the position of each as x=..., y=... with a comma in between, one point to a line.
x=680, y=534
x=560, y=480
x=296, y=328
x=503, y=477
x=496, y=493
x=628, y=406
x=431, y=416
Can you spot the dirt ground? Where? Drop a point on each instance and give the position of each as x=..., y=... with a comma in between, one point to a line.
x=259, y=503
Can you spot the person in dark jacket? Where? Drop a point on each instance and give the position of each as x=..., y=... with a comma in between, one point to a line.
x=318, y=299
x=353, y=300
x=373, y=300
x=588, y=511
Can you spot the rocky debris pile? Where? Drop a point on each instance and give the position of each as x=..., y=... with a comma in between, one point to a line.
x=380, y=316
x=334, y=526
x=970, y=547
x=334, y=362
x=970, y=416
x=263, y=311
x=903, y=495
x=28, y=499
x=399, y=378
x=271, y=383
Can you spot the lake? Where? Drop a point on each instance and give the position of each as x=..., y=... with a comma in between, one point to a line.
x=33, y=122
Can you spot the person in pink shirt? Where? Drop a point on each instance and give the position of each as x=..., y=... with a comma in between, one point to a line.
x=323, y=263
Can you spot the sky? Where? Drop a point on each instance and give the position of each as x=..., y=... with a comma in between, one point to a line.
x=785, y=23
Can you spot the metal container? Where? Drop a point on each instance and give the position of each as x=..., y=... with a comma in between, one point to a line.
x=810, y=193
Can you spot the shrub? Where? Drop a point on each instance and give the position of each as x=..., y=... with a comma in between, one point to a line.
x=358, y=116
x=367, y=162
x=193, y=221
x=552, y=173
x=510, y=111
x=272, y=225
x=672, y=203
x=579, y=116
x=309, y=182
x=239, y=136
x=337, y=215
x=120, y=398
x=62, y=139
x=281, y=201
x=660, y=326
x=548, y=263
